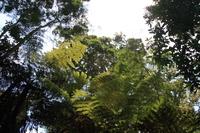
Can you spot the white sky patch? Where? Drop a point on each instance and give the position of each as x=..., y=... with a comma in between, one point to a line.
x=110, y=16
x=40, y=130
x=4, y=18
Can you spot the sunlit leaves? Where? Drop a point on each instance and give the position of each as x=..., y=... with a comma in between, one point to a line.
x=28, y=19
x=64, y=55
x=99, y=56
x=132, y=91
x=79, y=94
x=111, y=92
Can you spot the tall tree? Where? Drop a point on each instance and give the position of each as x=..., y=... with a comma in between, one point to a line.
x=117, y=95
x=134, y=94
x=21, y=38
x=26, y=83
x=99, y=56
x=175, y=26
x=170, y=118
x=59, y=84
x=30, y=18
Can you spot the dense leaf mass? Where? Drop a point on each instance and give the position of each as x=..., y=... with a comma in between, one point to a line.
x=90, y=84
x=22, y=68
x=176, y=36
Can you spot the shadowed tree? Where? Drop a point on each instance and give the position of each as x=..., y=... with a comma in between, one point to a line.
x=175, y=28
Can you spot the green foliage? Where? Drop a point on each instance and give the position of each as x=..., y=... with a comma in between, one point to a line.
x=103, y=117
x=21, y=38
x=28, y=20
x=59, y=84
x=56, y=100
x=99, y=56
x=120, y=40
x=48, y=83
x=170, y=119
x=114, y=92
x=98, y=84
x=100, y=80
x=127, y=63
x=55, y=116
x=64, y=55
x=176, y=36
x=134, y=94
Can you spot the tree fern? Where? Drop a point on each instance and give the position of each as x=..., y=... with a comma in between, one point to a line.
x=64, y=55
x=104, y=118
x=52, y=85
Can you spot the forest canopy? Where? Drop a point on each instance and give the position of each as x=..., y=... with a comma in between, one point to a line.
x=91, y=84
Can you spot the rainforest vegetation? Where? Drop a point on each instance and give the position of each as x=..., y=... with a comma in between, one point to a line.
x=91, y=84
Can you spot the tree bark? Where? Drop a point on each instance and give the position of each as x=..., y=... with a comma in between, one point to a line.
x=10, y=122
x=6, y=102
x=6, y=30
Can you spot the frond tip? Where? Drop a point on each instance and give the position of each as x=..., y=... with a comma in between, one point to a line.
x=64, y=55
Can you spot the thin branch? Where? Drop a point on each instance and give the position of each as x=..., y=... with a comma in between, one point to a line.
x=10, y=51
x=4, y=32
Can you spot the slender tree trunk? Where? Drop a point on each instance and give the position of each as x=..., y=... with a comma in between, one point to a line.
x=9, y=90
x=10, y=122
x=6, y=101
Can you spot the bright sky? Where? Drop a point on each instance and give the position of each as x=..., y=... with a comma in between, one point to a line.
x=110, y=16
x=107, y=17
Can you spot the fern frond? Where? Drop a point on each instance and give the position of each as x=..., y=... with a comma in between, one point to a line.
x=64, y=55
x=51, y=85
x=100, y=80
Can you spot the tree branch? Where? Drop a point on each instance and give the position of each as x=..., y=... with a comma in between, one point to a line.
x=10, y=51
x=6, y=30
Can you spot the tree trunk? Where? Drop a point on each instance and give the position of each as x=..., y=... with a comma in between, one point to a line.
x=7, y=101
x=9, y=124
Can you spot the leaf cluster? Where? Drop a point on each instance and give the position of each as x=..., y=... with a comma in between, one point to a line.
x=175, y=28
